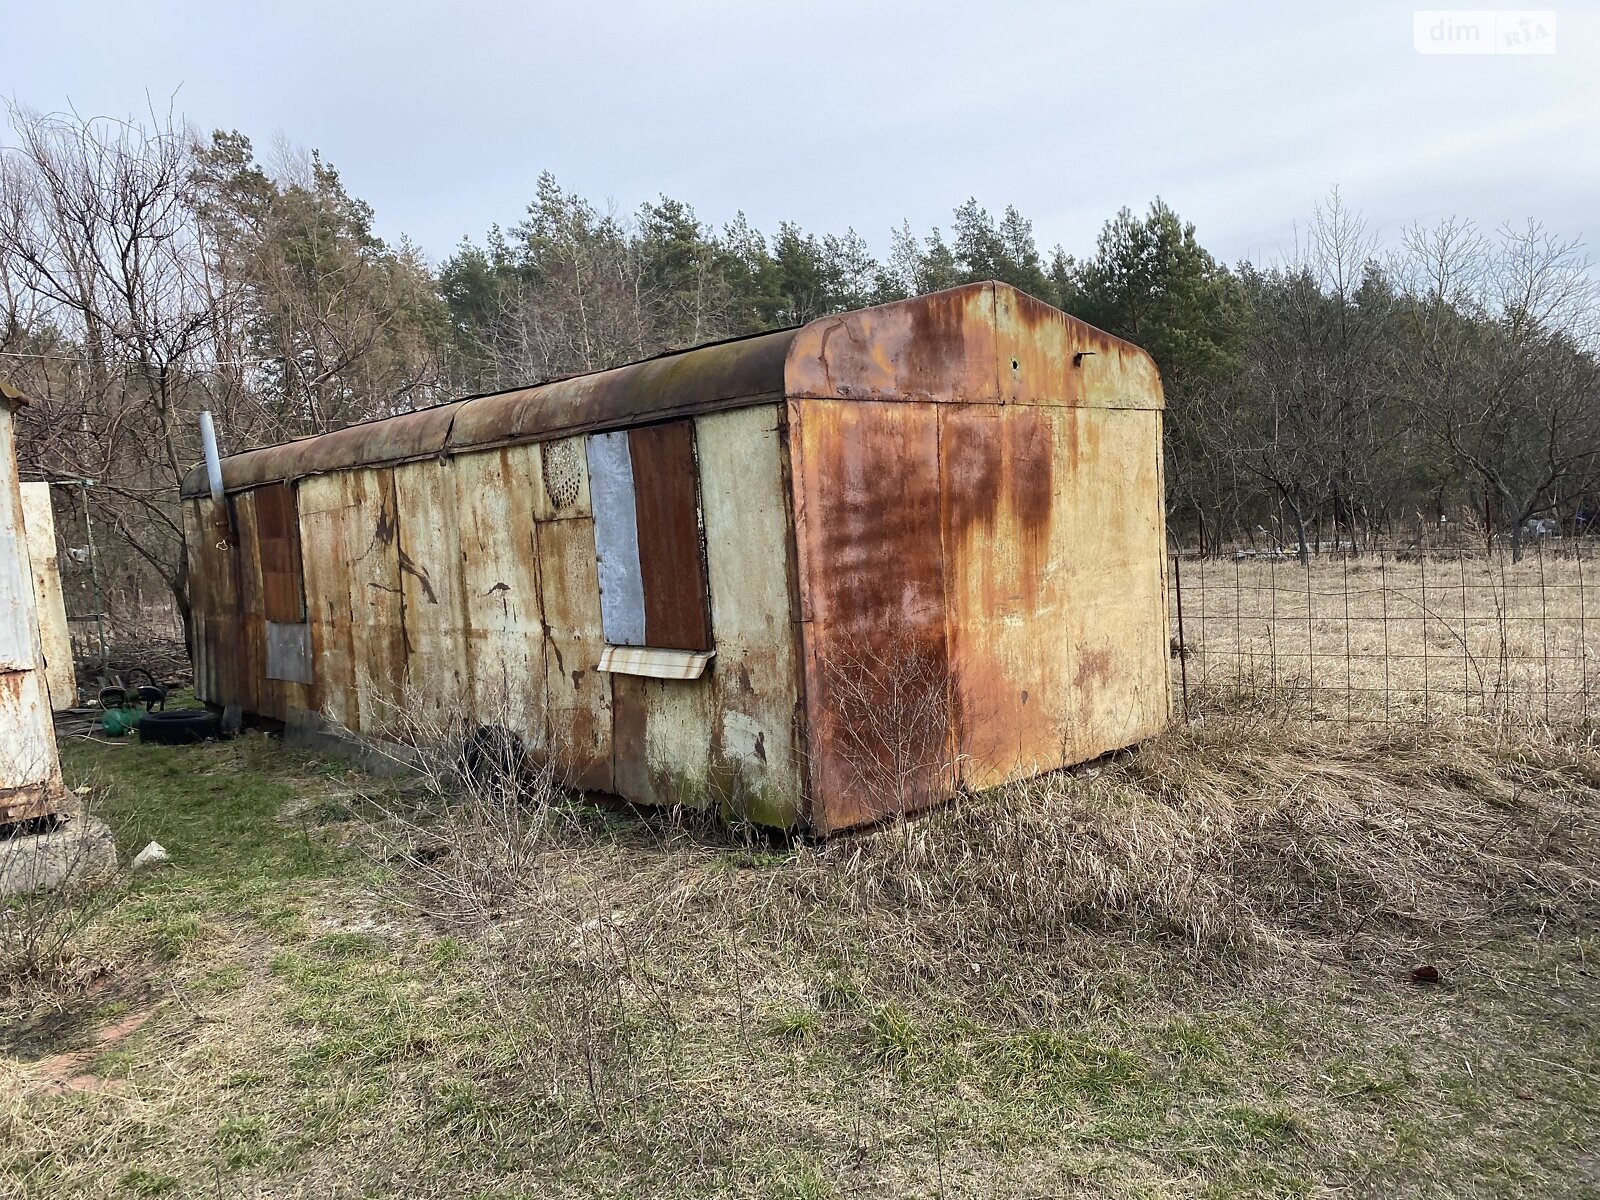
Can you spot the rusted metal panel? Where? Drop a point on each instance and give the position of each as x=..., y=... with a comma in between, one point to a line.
x=369, y=443
x=348, y=533
x=682, y=383
x=502, y=618
x=251, y=690
x=1008, y=560
x=577, y=695
x=728, y=738
x=701, y=379
x=935, y=347
x=277, y=525
x=755, y=770
x=671, y=558
x=871, y=568
x=1047, y=357
x=433, y=610
x=1053, y=544
x=982, y=342
x=1116, y=544
x=30, y=775
x=49, y=605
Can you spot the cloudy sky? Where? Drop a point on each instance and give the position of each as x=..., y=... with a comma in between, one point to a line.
x=859, y=113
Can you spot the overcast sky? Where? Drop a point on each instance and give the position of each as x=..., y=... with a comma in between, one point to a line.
x=859, y=114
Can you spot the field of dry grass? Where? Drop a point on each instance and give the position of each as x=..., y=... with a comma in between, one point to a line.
x=1388, y=638
x=1186, y=971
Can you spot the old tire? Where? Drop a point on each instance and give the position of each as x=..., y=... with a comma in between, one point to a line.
x=179, y=727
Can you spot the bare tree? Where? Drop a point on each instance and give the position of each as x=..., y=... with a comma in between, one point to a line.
x=1500, y=353
x=103, y=252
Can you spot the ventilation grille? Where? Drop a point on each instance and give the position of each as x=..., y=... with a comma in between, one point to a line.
x=562, y=464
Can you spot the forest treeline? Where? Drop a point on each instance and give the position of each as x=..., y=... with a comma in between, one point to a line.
x=1351, y=390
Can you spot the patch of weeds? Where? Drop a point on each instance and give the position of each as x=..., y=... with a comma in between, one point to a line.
x=323, y=1114
x=761, y=859
x=803, y=1181
x=447, y=951
x=838, y=990
x=244, y=1142
x=219, y=981
x=1192, y=1044
x=139, y=1182
x=113, y=1064
x=170, y=935
x=797, y=1025
x=468, y=1114
x=1245, y=1125
x=329, y=810
x=895, y=1036
x=337, y=947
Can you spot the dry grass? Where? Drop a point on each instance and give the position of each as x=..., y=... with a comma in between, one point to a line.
x=1388, y=639
x=1183, y=972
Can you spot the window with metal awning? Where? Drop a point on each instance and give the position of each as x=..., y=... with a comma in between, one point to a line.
x=655, y=607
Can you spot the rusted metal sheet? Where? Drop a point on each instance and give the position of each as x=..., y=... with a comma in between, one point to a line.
x=1115, y=548
x=577, y=695
x=277, y=525
x=252, y=690
x=877, y=673
x=728, y=737
x=49, y=605
x=755, y=768
x=683, y=383
x=671, y=558
x=220, y=648
x=348, y=534
x=370, y=443
x=937, y=347
x=502, y=619
x=431, y=566
x=978, y=343
x=30, y=775
x=288, y=653
x=1001, y=535
x=702, y=379
x=1046, y=357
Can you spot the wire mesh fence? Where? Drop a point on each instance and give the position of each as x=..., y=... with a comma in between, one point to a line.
x=1398, y=635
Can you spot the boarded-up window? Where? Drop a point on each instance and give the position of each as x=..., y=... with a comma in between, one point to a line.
x=283, y=584
x=645, y=491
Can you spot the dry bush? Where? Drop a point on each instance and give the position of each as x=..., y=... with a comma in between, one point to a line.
x=889, y=721
x=469, y=831
x=44, y=930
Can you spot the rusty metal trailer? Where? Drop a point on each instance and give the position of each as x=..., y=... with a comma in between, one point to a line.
x=815, y=577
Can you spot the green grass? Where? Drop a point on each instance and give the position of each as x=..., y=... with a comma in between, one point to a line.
x=309, y=1036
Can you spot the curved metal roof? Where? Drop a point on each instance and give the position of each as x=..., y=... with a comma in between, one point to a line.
x=979, y=343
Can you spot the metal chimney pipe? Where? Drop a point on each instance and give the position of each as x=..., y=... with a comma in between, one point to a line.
x=208, y=439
